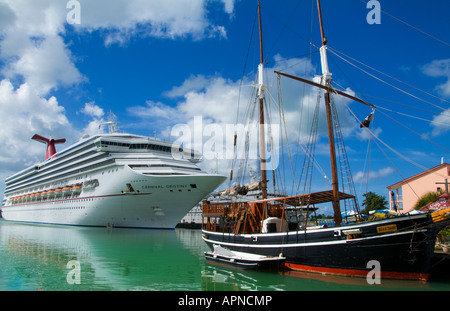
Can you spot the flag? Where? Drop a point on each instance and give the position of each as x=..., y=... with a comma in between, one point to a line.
x=367, y=120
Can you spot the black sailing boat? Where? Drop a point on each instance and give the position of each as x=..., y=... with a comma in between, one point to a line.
x=400, y=247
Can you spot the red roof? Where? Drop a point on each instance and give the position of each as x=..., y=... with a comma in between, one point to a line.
x=440, y=203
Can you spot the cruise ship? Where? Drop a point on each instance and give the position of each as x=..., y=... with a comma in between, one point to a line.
x=115, y=180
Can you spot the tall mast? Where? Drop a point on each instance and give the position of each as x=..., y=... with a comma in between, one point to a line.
x=326, y=81
x=261, y=87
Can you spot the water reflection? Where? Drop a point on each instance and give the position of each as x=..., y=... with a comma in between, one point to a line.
x=35, y=257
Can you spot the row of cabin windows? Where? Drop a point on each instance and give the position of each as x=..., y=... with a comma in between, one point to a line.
x=137, y=146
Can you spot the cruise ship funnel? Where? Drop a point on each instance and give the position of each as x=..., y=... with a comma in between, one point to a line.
x=51, y=149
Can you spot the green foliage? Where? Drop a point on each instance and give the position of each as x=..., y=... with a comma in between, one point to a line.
x=444, y=235
x=373, y=201
x=427, y=198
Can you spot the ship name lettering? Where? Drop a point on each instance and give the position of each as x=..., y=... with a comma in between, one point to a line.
x=176, y=186
x=152, y=187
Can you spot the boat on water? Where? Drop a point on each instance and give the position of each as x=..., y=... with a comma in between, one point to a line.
x=109, y=180
x=399, y=246
x=240, y=260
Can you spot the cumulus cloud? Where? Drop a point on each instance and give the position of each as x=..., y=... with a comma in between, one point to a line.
x=26, y=113
x=46, y=66
x=91, y=109
x=36, y=60
x=123, y=19
x=440, y=68
x=95, y=114
x=440, y=125
x=381, y=173
x=32, y=44
x=207, y=105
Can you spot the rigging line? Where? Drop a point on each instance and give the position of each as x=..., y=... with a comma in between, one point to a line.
x=316, y=164
x=413, y=27
x=420, y=135
x=246, y=60
x=293, y=12
x=395, y=167
x=285, y=130
x=297, y=63
x=404, y=114
x=291, y=29
x=361, y=95
x=293, y=57
x=385, y=144
x=414, y=117
x=335, y=52
x=368, y=157
x=233, y=162
x=396, y=103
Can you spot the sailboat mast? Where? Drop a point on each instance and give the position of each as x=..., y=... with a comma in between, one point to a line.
x=326, y=81
x=262, y=144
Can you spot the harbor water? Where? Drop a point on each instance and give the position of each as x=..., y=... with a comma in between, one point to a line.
x=65, y=258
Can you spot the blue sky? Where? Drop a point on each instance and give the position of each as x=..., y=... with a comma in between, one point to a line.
x=156, y=64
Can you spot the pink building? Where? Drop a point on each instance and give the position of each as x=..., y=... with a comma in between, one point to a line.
x=404, y=194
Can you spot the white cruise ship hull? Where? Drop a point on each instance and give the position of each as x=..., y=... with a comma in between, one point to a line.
x=156, y=202
x=109, y=180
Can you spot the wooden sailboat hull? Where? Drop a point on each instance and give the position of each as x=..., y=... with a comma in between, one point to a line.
x=401, y=247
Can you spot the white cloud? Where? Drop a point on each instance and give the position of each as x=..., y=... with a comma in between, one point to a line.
x=220, y=102
x=46, y=66
x=441, y=125
x=440, y=68
x=229, y=5
x=26, y=113
x=32, y=47
x=92, y=110
x=37, y=61
x=164, y=19
x=193, y=83
x=32, y=44
x=213, y=98
x=381, y=173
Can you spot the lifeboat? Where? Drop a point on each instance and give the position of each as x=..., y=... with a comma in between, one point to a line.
x=77, y=188
x=67, y=190
x=58, y=192
x=45, y=194
x=51, y=193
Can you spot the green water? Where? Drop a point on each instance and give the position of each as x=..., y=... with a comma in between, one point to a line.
x=36, y=257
